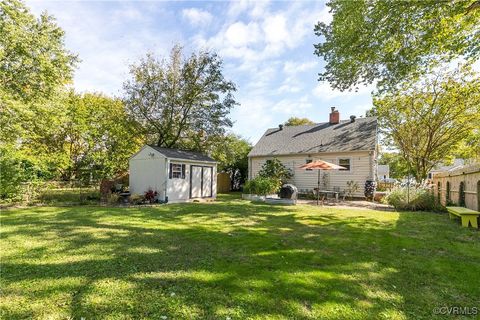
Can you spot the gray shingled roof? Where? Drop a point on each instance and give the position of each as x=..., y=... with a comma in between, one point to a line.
x=320, y=137
x=182, y=154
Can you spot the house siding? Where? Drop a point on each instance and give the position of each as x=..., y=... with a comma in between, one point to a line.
x=178, y=190
x=149, y=169
x=362, y=168
x=147, y=172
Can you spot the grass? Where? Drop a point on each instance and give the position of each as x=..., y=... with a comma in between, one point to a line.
x=233, y=259
x=69, y=196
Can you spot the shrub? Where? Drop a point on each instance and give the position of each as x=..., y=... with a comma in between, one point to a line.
x=274, y=169
x=150, y=195
x=113, y=198
x=262, y=186
x=247, y=187
x=137, y=199
x=352, y=187
x=414, y=199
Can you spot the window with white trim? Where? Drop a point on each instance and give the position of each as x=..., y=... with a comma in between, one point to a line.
x=345, y=162
x=177, y=171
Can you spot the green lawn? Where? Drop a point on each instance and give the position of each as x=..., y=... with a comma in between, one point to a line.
x=234, y=260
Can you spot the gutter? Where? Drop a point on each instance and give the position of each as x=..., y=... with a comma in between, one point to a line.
x=193, y=161
x=306, y=153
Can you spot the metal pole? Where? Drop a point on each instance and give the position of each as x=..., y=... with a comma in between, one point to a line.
x=318, y=187
x=408, y=186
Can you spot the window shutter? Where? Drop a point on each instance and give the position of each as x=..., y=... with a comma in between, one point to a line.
x=183, y=171
x=170, y=172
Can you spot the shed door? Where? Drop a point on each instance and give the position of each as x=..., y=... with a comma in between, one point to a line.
x=196, y=182
x=207, y=182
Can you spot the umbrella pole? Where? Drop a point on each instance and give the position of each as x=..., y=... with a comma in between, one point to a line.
x=318, y=187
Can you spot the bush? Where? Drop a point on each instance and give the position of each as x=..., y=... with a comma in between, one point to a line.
x=150, y=196
x=113, y=198
x=68, y=196
x=137, y=199
x=262, y=186
x=414, y=199
x=274, y=169
x=352, y=187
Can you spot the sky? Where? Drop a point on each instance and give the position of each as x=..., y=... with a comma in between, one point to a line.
x=267, y=49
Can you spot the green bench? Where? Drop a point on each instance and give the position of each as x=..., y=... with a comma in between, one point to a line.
x=468, y=216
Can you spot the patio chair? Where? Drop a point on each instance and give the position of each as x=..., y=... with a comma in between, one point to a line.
x=341, y=193
x=322, y=197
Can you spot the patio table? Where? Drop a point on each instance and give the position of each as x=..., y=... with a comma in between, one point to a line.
x=327, y=192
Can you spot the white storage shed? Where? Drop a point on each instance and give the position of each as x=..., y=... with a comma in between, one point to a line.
x=176, y=175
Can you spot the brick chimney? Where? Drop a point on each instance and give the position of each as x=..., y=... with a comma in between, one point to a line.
x=334, y=116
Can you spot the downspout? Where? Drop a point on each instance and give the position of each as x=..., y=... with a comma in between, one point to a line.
x=249, y=168
x=167, y=166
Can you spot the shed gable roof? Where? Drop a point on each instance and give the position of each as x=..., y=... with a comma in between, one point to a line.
x=321, y=137
x=182, y=154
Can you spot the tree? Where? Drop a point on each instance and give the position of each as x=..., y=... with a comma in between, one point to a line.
x=34, y=68
x=389, y=41
x=427, y=120
x=181, y=101
x=95, y=139
x=397, y=164
x=231, y=152
x=33, y=58
x=274, y=168
x=294, y=121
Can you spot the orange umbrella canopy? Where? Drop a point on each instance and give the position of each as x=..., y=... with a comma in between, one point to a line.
x=321, y=165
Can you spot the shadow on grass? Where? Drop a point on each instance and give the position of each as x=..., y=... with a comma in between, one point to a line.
x=237, y=259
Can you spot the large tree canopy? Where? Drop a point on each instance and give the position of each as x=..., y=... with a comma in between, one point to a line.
x=387, y=41
x=33, y=58
x=96, y=138
x=428, y=120
x=180, y=101
x=231, y=152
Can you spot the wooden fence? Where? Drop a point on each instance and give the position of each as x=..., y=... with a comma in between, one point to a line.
x=459, y=187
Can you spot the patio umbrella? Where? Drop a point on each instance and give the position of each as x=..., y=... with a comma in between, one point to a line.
x=320, y=165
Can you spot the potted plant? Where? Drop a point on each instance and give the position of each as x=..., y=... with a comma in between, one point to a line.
x=247, y=190
x=258, y=188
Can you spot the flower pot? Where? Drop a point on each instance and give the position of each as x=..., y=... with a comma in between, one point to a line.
x=246, y=196
x=257, y=198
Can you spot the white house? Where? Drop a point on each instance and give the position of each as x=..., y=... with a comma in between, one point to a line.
x=176, y=175
x=349, y=143
x=383, y=172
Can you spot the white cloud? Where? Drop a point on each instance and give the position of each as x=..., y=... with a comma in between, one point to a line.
x=239, y=34
x=292, y=67
x=197, y=17
x=360, y=109
x=292, y=107
x=264, y=36
x=106, y=47
x=253, y=117
x=287, y=88
x=325, y=92
x=254, y=8
x=275, y=29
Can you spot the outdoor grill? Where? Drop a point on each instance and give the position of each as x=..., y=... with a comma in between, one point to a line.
x=288, y=191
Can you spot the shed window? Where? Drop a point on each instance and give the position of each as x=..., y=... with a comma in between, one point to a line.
x=344, y=163
x=177, y=171
x=308, y=161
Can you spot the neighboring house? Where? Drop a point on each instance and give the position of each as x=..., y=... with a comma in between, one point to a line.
x=176, y=175
x=383, y=172
x=457, y=163
x=349, y=143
